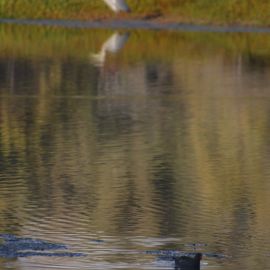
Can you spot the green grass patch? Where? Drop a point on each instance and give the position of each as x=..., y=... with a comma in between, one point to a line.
x=249, y=12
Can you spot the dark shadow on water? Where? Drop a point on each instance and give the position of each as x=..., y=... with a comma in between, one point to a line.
x=14, y=247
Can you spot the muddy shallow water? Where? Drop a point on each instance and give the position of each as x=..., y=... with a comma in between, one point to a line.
x=122, y=145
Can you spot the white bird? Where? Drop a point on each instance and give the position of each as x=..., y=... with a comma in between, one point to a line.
x=117, y=5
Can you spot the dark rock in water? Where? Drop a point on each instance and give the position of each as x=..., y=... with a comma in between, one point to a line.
x=13, y=247
x=188, y=263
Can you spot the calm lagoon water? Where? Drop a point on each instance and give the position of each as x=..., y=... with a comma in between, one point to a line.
x=117, y=143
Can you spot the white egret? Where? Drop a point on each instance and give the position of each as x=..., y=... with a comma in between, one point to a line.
x=117, y=5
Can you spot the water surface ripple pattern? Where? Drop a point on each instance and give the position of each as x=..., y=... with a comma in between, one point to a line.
x=120, y=151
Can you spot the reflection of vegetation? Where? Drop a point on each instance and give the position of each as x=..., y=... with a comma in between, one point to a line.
x=139, y=137
x=200, y=11
x=57, y=42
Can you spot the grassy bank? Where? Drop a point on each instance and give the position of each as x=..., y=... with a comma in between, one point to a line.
x=248, y=12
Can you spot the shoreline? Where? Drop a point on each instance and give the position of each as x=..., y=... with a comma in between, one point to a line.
x=139, y=24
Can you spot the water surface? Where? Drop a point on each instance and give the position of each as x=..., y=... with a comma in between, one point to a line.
x=116, y=143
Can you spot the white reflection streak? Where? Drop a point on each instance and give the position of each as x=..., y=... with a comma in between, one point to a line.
x=114, y=44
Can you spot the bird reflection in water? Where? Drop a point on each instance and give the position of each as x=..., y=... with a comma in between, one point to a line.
x=188, y=262
x=112, y=45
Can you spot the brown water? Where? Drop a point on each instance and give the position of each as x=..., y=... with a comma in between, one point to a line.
x=120, y=143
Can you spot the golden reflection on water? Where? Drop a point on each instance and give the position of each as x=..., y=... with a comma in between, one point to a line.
x=165, y=136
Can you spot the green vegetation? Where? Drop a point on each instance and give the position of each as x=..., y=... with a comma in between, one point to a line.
x=248, y=12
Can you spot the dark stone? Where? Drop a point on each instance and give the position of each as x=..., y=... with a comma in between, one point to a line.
x=188, y=263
